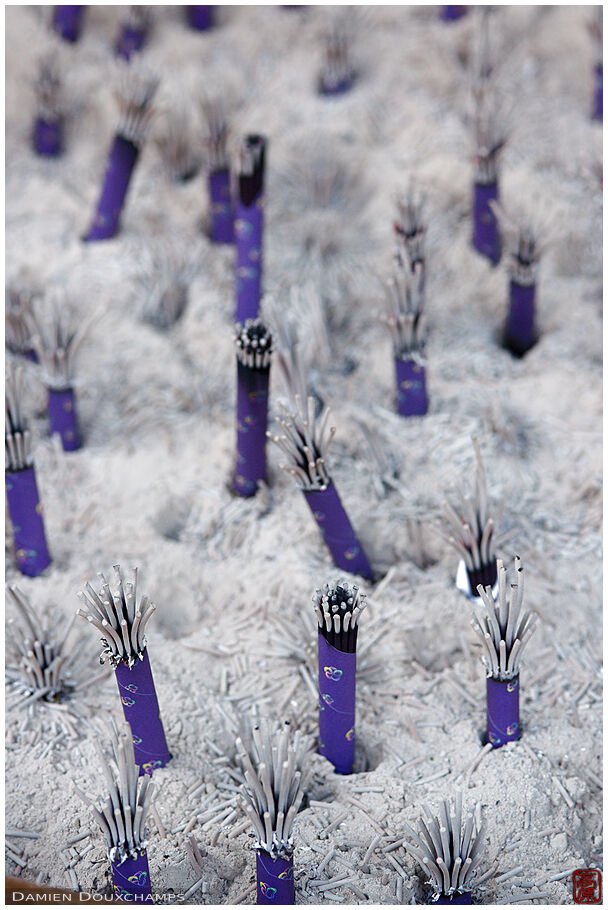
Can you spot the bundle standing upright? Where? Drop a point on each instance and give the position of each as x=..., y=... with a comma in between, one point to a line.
x=253, y=355
x=405, y=322
x=133, y=31
x=221, y=227
x=249, y=227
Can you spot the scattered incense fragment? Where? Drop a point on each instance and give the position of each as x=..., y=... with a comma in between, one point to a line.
x=470, y=531
x=25, y=509
x=133, y=31
x=253, y=356
x=134, y=97
x=122, y=817
x=177, y=142
x=274, y=765
x=169, y=266
x=200, y=18
x=249, y=226
x=49, y=121
x=596, y=30
x=220, y=227
x=67, y=22
x=449, y=851
x=337, y=73
x=505, y=629
x=122, y=623
x=338, y=608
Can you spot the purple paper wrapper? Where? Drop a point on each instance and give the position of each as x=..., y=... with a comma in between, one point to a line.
x=335, y=88
x=337, y=531
x=487, y=575
x=520, y=330
x=140, y=707
x=67, y=21
x=221, y=228
x=451, y=13
x=486, y=237
x=337, y=671
x=63, y=418
x=411, y=388
x=275, y=879
x=25, y=509
x=131, y=880
x=463, y=898
x=502, y=711
x=130, y=41
x=251, y=425
x=48, y=137
x=598, y=97
x=200, y=18
x=121, y=161
x=248, y=232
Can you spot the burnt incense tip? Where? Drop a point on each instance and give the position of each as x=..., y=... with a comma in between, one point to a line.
x=253, y=342
x=251, y=164
x=338, y=608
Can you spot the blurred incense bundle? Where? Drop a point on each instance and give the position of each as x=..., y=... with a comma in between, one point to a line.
x=133, y=31
x=337, y=609
x=504, y=629
x=134, y=96
x=596, y=30
x=47, y=138
x=405, y=322
x=200, y=18
x=337, y=74
x=221, y=227
x=254, y=356
x=249, y=227
x=24, y=506
x=67, y=22
x=452, y=13
x=122, y=622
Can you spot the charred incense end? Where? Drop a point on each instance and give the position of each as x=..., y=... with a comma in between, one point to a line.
x=338, y=608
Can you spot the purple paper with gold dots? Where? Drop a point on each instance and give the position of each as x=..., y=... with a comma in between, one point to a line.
x=221, y=228
x=25, y=509
x=463, y=897
x=248, y=230
x=486, y=236
x=502, y=711
x=275, y=879
x=337, y=531
x=520, y=331
x=130, y=41
x=122, y=160
x=131, y=880
x=67, y=21
x=337, y=706
x=411, y=388
x=200, y=18
x=48, y=137
x=63, y=418
x=140, y=707
x=598, y=99
x=251, y=425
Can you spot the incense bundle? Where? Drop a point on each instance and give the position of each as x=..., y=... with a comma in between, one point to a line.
x=122, y=623
x=47, y=137
x=253, y=359
x=449, y=851
x=200, y=18
x=338, y=609
x=221, y=227
x=134, y=97
x=122, y=817
x=523, y=255
x=452, y=13
x=305, y=441
x=505, y=630
x=133, y=31
x=67, y=21
x=405, y=323
x=249, y=227
x=337, y=74
x=274, y=765
x=596, y=30
x=471, y=532
x=24, y=506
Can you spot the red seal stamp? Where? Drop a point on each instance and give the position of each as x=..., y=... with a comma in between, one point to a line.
x=587, y=886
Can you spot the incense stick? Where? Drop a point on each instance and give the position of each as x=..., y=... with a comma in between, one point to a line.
x=338, y=609
x=47, y=136
x=249, y=226
x=254, y=355
x=274, y=764
x=337, y=74
x=25, y=509
x=449, y=850
x=122, y=814
x=220, y=222
x=67, y=22
x=133, y=31
x=134, y=96
x=122, y=623
x=505, y=629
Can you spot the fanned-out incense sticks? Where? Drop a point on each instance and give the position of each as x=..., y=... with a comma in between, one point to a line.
x=121, y=815
x=305, y=440
x=170, y=265
x=134, y=96
x=449, y=850
x=596, y=30
x=67, y=22
x=176, y=144
x=122, y=623
x=47, y=137
x=17, y=318
x=253, y=356
x=337, y=73
x=338, y=608
x=200, y=18
x=249, y=227
x=471, y=532
x=134, y=30
x=452, y=13
x=24, y=506
x=274, y=765
x=504, y=629
x=221, y=227
x=405, y=322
